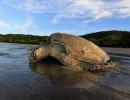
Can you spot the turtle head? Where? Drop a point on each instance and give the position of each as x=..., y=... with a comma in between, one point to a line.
x=39, y=53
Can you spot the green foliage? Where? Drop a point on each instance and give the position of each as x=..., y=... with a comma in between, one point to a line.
x=23, y=39
x=104, y=38
x=112, y=38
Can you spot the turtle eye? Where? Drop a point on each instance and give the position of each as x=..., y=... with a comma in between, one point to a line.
x=33, y=54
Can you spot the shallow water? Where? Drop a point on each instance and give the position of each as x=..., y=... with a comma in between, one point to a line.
x=46, y=80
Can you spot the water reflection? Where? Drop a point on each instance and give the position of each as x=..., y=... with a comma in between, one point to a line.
x=58, y=75
x=82, y=85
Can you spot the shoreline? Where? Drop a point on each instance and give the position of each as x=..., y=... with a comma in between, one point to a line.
x=103, y=47
x=118, y=50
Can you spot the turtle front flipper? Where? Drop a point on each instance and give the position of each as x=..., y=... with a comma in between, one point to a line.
x=59, y=52
x=71, y=63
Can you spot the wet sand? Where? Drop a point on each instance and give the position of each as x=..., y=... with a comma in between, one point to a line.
x=20, y=80
x=117, y=50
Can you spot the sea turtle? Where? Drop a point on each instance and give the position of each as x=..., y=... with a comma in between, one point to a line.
x=72, y=51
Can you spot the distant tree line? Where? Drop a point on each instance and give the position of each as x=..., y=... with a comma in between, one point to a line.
x=112, y=38
x=23, y=39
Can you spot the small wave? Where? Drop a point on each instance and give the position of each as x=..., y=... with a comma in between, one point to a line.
x=4, y=54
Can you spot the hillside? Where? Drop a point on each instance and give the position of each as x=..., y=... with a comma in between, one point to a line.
x=104, y=38
x=110, y=38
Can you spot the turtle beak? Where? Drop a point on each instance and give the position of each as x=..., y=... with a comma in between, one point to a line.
x=32, y=57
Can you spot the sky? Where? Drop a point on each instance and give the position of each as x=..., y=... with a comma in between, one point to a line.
x=44, y=17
